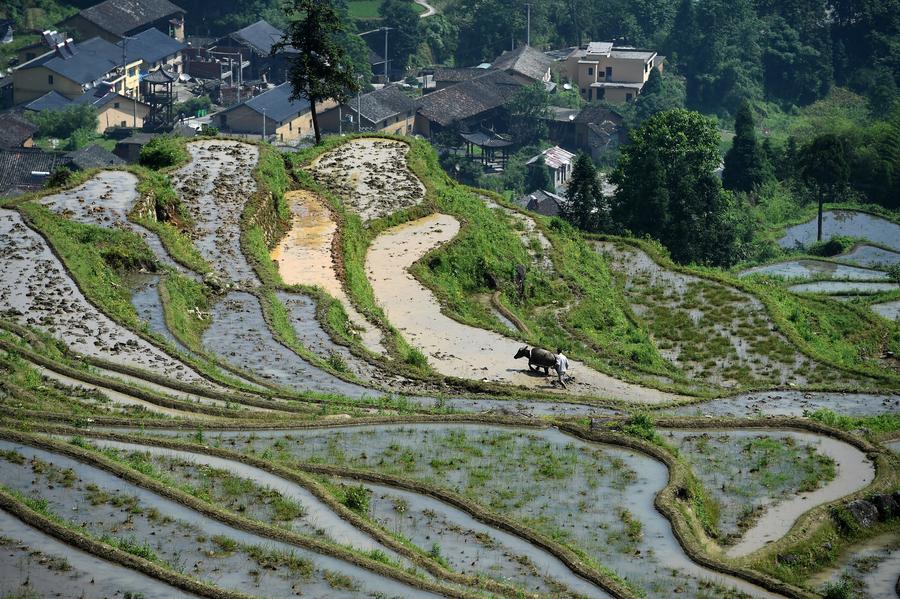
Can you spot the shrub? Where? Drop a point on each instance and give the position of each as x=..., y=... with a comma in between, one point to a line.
x=63, y=123
x=641, y=425
x=59, y=177
x=357, y=499
x=162, y=152
x=840, y=589
x=416, y=358
x=832, y=247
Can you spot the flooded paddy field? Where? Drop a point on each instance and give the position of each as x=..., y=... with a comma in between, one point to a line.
x=871, y=256
x=106, y=200
x=455, y=349
x=239, y=334
x=871, y=569
x=304, y=257
x=791, y=403
x=808, y=269
x=889, y=310
x=214, y=187
x=178, y=537
x=146, y=300
x=35, y=564
x=763, y=480
x=593, y=497
x=713, y=332
x=847, y=223
x=370, y=176
x=843, y=287
x=37, y=291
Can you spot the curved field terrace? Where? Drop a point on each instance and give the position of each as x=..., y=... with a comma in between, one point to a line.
x=334, y=408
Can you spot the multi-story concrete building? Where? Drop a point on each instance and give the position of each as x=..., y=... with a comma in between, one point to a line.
x=601, y=71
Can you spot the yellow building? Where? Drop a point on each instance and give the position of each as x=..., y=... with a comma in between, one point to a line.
x=386, y=110
x=271, y=114
x=72, y=69
x=603, y=72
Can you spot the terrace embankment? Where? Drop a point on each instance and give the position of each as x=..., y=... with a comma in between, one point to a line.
x=37, y=291
x=459, y=350
x=305, y=257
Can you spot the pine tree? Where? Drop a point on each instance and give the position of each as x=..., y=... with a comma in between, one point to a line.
x=823, y=165
x=585, y=206
x=744, y=162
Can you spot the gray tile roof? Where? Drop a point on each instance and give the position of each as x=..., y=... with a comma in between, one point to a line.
x=456, y=74
x=150, y=46
x=17, y=166
x=92, y=156
x=52, y=100
x=260, y=36
x=384, y=103
x=524, y=61
x=542, y=202
x=469, y=98
x=276, y=104
x=121, y=16
x=89, y=61
x=15, y=130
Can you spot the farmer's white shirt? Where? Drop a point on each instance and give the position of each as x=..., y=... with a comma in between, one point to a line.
x=562, y=362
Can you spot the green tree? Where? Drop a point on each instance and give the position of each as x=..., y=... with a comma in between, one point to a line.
x=661, y=92
x=666, y=188
x=823, y=166
x=321, y=68
x=63, y=123
x=405, y=35
x=745, y=165
x=529, y=109
x=586, y=208
x=538, y=177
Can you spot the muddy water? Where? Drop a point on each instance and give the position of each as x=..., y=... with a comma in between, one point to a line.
x=106, y=200
x=455, y=349
x=370, y=176
x=807, y=269
x=25, y=568
x=875, y=563
x=854, y=471
x=503, y=468
x=145, y=299
x=37, y=290
x=791, y=403
x=843, y=287
x=319, y=517
x=845, y=222
x=870, y=255
x=470, y=546
x=889, y=310
x=214, y=187
x=304, y=258
x=893, y=445
x=182, y=536
x=240, y=335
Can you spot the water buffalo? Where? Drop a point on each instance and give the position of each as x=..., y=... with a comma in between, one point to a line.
x=537, y=358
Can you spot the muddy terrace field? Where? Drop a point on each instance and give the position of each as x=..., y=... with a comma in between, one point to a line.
x=305, y=386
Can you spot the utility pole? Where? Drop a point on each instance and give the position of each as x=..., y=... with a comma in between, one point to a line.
x=264, y=124
x=358, y=105
x=528, y=30
x=387, y=77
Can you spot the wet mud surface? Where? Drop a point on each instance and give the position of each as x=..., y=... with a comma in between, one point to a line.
x=791, y=403
x=214, y=188
x=871, y=256
x=808, y=269
x=844, y=222
x=843, y=287
x=455, y=349
x=871, y=569
x=889, y=310
x=370, y=176
x=36, y=290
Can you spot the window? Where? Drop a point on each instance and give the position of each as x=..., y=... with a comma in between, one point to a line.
x=310, y=123
x=132, y=71
x=124, y=124
x=609, y=72
x=290, y=125
x=583, y=92
x=50, y=79
x=590, y=71
x=628, y=97
x=115, y=104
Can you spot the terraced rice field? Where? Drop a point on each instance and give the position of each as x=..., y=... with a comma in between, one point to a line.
x=263, y=452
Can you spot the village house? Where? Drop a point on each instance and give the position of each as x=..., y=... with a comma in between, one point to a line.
x=92, y=156
x=386, y=110
x=72, y=69
x=526, y=64
x=443, y=77
x=558, y=161
x=26, y=169
x=155, y=50
x=113, y=109
x=16, y=131
x=601, y=71
x=473, y=105
x=543, y=202
x=114, y=19
x=271, y=114
x=254, y=44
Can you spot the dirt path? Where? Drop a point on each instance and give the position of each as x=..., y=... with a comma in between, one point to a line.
x=214, y=187
x=854, y=471
x=370, y=176
x=37, y=291
x=429, y=9
x=455, y=349
x=304, y=257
